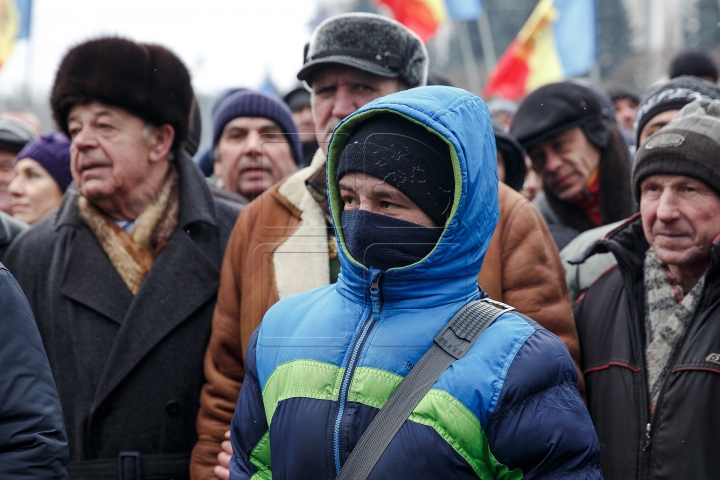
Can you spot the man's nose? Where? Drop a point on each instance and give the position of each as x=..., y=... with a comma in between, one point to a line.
x=253, y=144
x=84, y=138
x=344, y=103
x=553, y=161
x=667, y=206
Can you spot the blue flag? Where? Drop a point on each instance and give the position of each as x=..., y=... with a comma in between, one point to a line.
x=464, y=10
x=24, y=8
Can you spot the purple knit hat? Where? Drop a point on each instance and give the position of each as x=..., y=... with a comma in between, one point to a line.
x=52, y=151
x=248, y=103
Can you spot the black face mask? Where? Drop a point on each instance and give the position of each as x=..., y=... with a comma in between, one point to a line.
x=384, y=242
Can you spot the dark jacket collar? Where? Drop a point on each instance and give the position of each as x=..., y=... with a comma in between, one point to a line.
x=196, y=203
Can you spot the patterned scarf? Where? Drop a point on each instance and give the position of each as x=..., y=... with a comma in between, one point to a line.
x=668, y=315
x=132, y=255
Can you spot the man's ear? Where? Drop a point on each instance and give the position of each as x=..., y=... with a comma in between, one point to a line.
x=161, y=141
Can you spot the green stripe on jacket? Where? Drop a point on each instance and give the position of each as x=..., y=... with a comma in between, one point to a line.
x=452, y=420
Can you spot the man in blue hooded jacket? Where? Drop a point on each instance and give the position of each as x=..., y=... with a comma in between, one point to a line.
x=413, y=195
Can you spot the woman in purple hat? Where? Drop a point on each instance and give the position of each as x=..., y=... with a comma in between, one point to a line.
x=43, y=175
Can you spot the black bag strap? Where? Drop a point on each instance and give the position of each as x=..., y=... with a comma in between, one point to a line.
x=452, y=343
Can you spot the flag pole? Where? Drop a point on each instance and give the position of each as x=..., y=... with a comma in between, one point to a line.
x=27, y=74
x=486, y=41
x=468, y=58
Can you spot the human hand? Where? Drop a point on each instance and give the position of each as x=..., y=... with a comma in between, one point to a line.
x=222, y=471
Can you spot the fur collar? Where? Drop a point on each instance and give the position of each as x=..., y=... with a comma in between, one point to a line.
x=301, y=262
x=132, y=255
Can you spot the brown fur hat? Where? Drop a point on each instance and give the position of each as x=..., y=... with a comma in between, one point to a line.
x=148, y=81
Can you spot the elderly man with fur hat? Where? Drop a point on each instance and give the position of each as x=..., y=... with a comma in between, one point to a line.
x=123, y=278
x=284, y=244
x=650, y=328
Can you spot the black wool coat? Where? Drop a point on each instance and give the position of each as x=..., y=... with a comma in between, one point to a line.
x=33, y=443
x=128, y=369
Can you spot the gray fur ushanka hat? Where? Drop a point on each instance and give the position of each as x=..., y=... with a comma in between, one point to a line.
x=372, y=43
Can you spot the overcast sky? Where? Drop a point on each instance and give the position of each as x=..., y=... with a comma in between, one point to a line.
x=224, y=43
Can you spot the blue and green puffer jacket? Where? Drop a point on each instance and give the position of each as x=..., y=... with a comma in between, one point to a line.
x=324, y=361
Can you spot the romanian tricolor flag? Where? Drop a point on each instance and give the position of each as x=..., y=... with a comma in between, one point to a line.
x=9, y=26
x=557, y=42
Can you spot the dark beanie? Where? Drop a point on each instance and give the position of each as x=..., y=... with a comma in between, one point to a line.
x=688, y=145
x=673, y=95
x=513, y=156
x=408, y=157
x=52, y=151
x=247, y=103
x=555, y=108
x=694, y=62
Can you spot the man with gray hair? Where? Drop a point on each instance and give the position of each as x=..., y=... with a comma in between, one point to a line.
x=123, y=278
x=650, y=328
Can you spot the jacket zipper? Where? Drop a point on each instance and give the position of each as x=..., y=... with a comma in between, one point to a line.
x=352, y=363
x=698, y=308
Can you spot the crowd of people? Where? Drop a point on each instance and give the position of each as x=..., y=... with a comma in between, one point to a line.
x=265, y=309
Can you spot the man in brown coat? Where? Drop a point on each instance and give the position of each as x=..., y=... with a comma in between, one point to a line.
x=283, y=243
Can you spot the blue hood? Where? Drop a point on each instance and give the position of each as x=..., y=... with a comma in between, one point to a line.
x=449, y=273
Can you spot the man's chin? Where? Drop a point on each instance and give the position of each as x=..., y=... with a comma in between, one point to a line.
x=95, y=190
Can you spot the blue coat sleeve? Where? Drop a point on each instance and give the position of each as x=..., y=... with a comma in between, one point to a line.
x=33, y=442
x=540, y=423
x=249, y=429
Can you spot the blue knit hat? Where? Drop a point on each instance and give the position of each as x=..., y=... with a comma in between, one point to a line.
x=52, y=151
x=248, y=103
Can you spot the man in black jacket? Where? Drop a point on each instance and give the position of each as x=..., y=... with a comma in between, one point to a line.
x=33, y=443
x=650, y=328
x=123, y=279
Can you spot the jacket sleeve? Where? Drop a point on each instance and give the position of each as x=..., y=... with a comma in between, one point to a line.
x=533, y=279
x=33, y=442
x=250, y=434
x=540, y=424
x=224, y=364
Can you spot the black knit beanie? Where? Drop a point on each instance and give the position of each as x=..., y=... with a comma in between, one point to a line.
x=408, y=157
x=672, y=95
x=688, y=146
x=694, y=62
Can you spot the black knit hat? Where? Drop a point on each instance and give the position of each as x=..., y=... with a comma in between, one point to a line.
x=555, y=108
x=513, y=156
x=694, y=62
x=148, y=81
x=368, y=42
x=688, y=145
x=297, y=99
x=248, y=103
x=408, y=157
x=673, y=95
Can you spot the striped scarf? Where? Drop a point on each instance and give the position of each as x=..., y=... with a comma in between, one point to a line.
x=667, y=316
